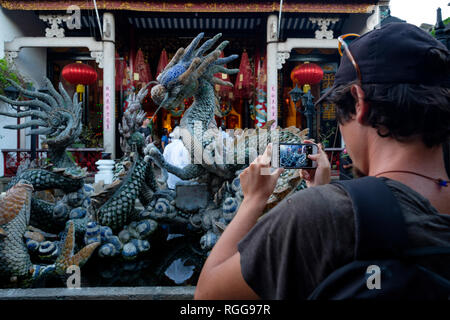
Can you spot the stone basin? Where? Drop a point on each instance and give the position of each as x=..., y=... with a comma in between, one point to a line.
x=100, y=293
x=144, y=278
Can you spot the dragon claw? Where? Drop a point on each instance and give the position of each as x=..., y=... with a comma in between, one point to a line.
x=67, y=258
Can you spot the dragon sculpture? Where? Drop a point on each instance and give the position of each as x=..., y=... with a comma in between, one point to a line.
x=191, y=73
x=82, y=210
x=105, y=218
x=16, y=267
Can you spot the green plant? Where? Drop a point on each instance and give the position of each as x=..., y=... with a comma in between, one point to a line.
x=90, y=138
x=446, y=21
x=326, y=133
x=6, y=72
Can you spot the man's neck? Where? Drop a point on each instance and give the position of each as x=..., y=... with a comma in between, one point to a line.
x=394, y=156
x=386, y=154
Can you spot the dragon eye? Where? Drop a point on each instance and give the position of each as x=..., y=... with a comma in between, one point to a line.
x=158, y=92
x=54, y=121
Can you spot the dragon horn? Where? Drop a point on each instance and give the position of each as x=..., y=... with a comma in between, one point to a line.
x=42, y=131
x=53, y=92
x=67, y=99
x=221, y=82
x=183, y=78
x=207, y=45
x=191, y=47
x=49, y=99
x=35, y=102
x=226, y=60
x=26, y=124
x=206, y=63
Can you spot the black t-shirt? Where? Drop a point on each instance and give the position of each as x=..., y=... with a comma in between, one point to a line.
x=145, y=131
x=311, y=233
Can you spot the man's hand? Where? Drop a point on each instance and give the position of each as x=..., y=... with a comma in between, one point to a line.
x=321, y=174
x=256, y=180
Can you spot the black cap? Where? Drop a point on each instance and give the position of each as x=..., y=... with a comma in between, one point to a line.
x=395, y=53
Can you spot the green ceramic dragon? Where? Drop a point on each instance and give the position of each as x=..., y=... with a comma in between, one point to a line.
x=16, y=267
x=191, y=73
x=108, y=217
x=59, y=119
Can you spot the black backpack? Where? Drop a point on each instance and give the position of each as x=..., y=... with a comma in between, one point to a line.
x=385, y=267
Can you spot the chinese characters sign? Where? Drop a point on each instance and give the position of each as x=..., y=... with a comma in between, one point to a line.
x=107, y=108
x=272, y=112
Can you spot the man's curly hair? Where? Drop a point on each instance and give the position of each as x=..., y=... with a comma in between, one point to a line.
x=403, y=110
x=400, y=111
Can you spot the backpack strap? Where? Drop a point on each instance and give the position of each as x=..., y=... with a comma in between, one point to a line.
x=379, y=224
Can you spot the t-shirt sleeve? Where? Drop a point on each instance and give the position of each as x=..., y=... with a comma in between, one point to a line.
x=298, y=243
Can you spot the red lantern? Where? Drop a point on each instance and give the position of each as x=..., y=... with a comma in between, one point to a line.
x=79, y=73
x=307, y=73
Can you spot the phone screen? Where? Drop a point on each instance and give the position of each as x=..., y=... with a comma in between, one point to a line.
x=295, y=156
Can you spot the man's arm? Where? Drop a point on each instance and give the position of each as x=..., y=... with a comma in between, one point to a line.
x=221, y=276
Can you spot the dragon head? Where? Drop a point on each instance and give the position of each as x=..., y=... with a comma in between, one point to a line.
x=56, y=115
x=180, y=79
x=132, y=119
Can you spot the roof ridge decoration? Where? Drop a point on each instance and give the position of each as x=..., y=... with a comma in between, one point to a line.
x=365, y=6
x=72, y=19
x=323, y=24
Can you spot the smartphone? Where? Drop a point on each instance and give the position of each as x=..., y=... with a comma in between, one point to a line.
x=295, y=155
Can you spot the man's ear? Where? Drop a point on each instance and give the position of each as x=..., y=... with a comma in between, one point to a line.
x=361, y=106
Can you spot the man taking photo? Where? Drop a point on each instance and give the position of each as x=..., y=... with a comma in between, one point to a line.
x=392, y=100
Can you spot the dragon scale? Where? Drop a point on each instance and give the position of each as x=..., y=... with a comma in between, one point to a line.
x=115, y=213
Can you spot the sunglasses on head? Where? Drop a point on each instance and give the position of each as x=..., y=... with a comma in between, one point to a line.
x=343, y=42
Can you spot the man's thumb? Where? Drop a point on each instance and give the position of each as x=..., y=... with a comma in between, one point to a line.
x=314, y=157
